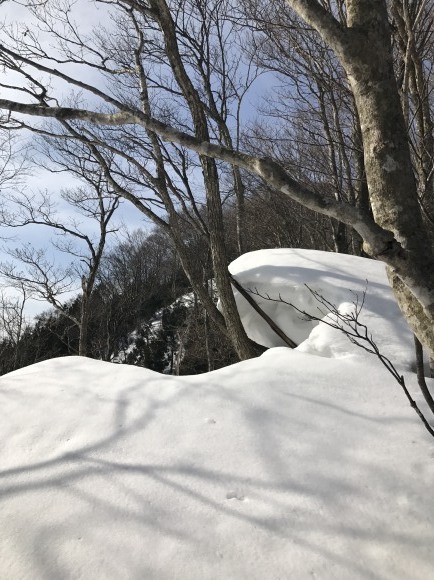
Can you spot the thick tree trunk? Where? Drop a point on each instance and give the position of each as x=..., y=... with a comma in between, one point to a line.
x=235, y=329
x=391, y=182
x=367, y=59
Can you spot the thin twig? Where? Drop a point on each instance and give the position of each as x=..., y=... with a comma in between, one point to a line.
x=358, y=334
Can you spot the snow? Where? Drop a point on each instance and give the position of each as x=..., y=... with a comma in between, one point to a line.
x=291, y=465
x=339, y=278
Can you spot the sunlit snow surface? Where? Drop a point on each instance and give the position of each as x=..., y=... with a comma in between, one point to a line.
x=288, y=466
x=342, y=280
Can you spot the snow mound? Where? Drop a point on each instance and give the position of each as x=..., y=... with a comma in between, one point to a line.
x=340, y=279
x=286, y=466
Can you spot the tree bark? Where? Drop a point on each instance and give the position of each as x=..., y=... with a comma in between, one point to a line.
x=84, y=319
x=389, y=172
x=235, y=329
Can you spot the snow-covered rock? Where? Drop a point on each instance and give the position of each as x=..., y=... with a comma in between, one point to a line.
x=340, y=279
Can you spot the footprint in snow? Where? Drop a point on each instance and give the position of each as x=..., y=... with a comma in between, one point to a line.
x=235, y=494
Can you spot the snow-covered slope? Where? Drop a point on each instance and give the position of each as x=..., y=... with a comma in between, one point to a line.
x=291, y=465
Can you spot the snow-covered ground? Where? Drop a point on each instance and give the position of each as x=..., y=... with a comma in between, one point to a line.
x=289, y=466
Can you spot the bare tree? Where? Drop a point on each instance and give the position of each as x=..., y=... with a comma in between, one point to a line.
x=34, y=271
x=312, y=127
x=413, y=36
x=13, y=322
x=199, y=41
x=13, y=159
x=396, y=232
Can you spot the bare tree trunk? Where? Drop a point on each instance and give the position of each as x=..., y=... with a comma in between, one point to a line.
x=235, y=329
x=209, y=360
x=388, y=166
x=339, y=236
x=390, y=178
x=84, y=324
x=240, y=194
x=361, y=190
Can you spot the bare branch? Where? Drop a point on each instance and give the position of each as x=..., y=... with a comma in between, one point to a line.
x=381, y=242
x=288, y=341
x=358, y=333
x=323, y=21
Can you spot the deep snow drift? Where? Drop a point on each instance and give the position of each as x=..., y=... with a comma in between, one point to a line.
x=341, y=280
x=291, y=465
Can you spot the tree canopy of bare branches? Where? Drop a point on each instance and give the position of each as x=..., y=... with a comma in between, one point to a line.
x=163, y=47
